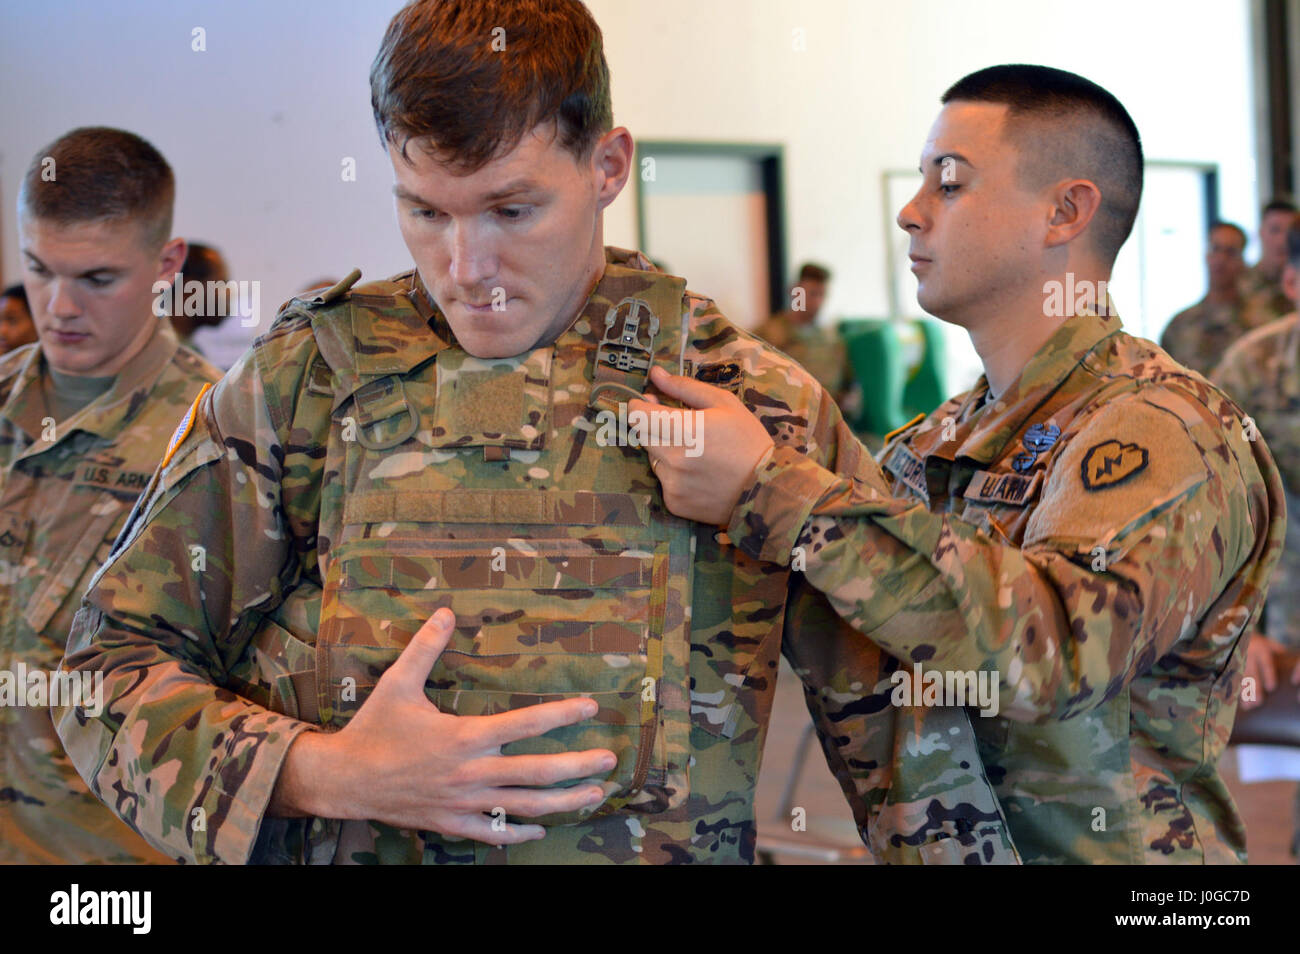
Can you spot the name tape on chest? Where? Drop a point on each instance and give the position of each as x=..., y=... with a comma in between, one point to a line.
x=909, y=468
x=113, y=478
x=992, y=487
x=183, y=428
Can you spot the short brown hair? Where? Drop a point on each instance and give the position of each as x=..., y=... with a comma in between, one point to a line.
x=1082, y=130
x=812, y=272
x=99, y=174
x=471, y=77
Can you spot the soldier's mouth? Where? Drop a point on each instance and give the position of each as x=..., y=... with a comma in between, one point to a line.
x=68, y=337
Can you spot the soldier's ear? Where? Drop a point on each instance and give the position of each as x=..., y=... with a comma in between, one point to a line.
x=611, y=159
x=170, y=259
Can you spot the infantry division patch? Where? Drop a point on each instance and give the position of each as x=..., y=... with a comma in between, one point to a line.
x=1110, y=463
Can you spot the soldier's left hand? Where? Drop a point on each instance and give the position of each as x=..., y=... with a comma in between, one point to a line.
x=704, y=482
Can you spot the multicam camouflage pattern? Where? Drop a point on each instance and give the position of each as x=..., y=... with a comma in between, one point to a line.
x=356, y=470
x=1198, y=336
x=62, y=503
x=1262, y=374
x=817, y=348
x=1101, y=536
x=1265, y=299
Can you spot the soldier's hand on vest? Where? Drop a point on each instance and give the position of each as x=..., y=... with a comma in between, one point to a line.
x=403, y=762
x=702, y=481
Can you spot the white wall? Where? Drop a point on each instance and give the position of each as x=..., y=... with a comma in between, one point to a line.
x=257, y=126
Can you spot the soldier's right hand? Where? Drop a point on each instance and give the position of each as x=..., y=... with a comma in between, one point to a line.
x=403, y=762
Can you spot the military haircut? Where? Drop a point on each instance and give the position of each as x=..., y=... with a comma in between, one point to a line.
x=100, y=174
x=469, y=78
x=1220, y=224
x=812, y=272
x=1278, y=204
x=1066, y=126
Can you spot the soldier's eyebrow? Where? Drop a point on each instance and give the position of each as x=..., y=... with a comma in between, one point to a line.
x=510, y=189
x=517, y=187
x=105, y=271
x=938, y=160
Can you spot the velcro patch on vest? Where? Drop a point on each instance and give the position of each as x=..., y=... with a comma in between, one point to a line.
x=909, y=468
x=487, y=402
x=492, y=400
x=992, y=487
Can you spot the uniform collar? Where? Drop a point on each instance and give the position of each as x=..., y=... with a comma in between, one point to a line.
x=107, y=414
x=998, y=422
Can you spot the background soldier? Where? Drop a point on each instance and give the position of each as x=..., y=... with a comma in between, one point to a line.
x=1083, y=522
x=1266, y=299
x=796, y=332
x=1198, y=336
x=422, y=529
x=1262, y=373
x=84, y=416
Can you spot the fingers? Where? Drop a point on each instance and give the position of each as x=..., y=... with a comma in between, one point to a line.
x=409, y=672
x=495, y=731
x=510, y=770
x=527, y=803
x=492, y=831
x=690, y=392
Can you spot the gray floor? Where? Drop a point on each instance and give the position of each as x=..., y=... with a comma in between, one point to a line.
x=1266, y=806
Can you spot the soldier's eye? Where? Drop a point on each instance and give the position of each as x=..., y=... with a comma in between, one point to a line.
x=514, y=213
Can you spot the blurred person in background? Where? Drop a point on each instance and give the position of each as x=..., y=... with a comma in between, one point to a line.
x=1198, y=336
x=16, y=328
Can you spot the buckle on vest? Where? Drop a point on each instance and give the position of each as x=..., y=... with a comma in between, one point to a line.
x=379, y=405
x=628, y=345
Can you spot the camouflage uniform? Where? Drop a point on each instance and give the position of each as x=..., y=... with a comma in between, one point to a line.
x=1262, y=374
x=486, y=486
x=1264, y=298
x=1100, y=536
x=62, y=502
x=1198, y=336
x=818, y=349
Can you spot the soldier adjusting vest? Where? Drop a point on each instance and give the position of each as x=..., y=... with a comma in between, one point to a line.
x=482, y=485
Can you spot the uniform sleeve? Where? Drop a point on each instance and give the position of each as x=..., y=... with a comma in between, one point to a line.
x=1240, y=376
x=912, y=776
x=1136, y=534
x=216, y=538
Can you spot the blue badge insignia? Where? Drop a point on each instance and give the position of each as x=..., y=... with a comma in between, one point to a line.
x=1038, y=439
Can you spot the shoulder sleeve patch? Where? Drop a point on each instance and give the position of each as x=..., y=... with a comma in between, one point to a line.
x=1127, y=464
x=183, y=428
